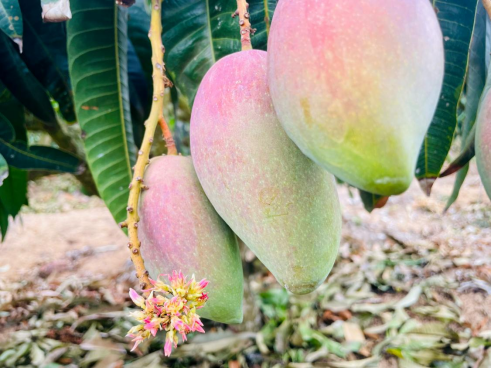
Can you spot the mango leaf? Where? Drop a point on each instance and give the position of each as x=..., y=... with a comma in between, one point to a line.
x=22, y=84
x=13, y=194
x=457, y=19
x=475, y=83
x=45, y=54
x=11, y=20
x=4, y=169
x=372, y=201
x=97, y=51
x=197, y=33
x=138, y=32
x=19, y=155
x=467, y=153
x=56, y=10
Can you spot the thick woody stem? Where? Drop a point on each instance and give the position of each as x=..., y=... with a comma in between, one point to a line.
x=244, y=24
x=136, y=186
x=486, y=5
x=168, y=137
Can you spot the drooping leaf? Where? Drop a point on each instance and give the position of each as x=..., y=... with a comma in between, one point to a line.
x=4, y=169
x=97, y=52
x=457, y=19
x=19, y=155
x=372, y=201
x=475, y=83
x=45, y=54
x=140, y=94
x=13, y=194
x=467, y=153
x=21, y=83
x=14, y=112
x=138, y=32
x=197, y=33
x=11, y=20
x=56, y=10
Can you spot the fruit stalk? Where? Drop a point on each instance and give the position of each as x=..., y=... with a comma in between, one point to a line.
x=168, y=137
x=486, y=5
x=160, y=82
x=244, y=24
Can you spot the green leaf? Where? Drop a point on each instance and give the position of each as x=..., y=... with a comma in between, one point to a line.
x=19, y=155
x=22, y=84
x=467, y=153
x=4, y=169
x=372, y=201
x=11, y=20
x=457, y=19
x=475, y=83
x=45, y=54
x=97, y=48
x=197, y=33
x=138, y=32
x=13, y=194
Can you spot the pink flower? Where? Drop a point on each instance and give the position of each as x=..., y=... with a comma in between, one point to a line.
x=170, y=308
x=137, y=299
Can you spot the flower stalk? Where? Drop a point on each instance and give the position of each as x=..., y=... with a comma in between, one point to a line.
x=160, y=82
x=244, y=24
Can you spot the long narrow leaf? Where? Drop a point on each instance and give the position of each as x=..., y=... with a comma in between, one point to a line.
x=11, y=20
x=45, y=54
x=97, y=51
x=457, y=19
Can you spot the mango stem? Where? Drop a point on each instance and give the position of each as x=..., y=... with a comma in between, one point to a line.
x=136, y=186
x=244, y=24
x=168, y=137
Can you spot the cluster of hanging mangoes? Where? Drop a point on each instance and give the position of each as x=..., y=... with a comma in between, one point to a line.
x=269, y=131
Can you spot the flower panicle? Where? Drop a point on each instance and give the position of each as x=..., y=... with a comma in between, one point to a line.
x=169, y=307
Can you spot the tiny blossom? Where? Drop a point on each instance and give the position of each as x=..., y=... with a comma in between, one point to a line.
x=169, y=307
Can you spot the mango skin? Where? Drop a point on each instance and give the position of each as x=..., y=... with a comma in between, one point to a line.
x=281, y=204
x=180, y=230
x=482, y=142
x=355, y=84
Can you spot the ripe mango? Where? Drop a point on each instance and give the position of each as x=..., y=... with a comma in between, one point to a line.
x=281, y=204
x=180, y=230
x=482, y=142
x=355, y=84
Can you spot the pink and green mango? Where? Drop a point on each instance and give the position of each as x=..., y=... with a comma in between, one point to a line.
x=355, y=84
x=482, y=141
x=281, y=204
x=180, y=230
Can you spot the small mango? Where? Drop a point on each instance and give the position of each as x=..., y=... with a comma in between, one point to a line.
x=355, y=84
x=180, y=230
x=281, y=204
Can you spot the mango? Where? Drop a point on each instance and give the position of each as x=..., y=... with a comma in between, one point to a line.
x=281, y=204
x=180, y=230
x=355, y=84
x=482, y=141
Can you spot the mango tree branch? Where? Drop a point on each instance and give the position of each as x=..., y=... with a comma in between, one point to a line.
x=244, y=24
x=486, y=5
x=136, y=186
x=168, y=137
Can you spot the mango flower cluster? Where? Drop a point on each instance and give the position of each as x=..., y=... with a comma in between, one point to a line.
x=169, y=307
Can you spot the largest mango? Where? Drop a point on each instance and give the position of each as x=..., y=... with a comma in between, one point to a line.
x=280, y=203
x=355, y=84
x=180, y=230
